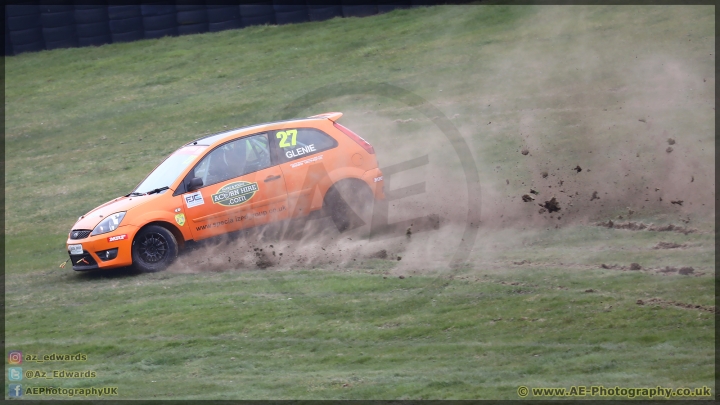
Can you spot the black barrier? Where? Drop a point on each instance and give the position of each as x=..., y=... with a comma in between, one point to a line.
x=224, y=17
x=358, y=8
x=32, y=27
x=125, y=23
x=290, y=12
x=8, y=45
x=91, y=25
x=257, y=14
x=324, y=12
x=58, y=26
x=159, y=20
x=386, y=6
x=23, y=27
x=191, y=19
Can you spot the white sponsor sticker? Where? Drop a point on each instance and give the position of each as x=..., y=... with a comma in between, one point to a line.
x=306, y=161
x=378, y=179
x=75, y=249
x=194, y=199
x=117, y=237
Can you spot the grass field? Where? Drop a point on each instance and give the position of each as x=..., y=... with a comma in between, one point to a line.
x=601, y=87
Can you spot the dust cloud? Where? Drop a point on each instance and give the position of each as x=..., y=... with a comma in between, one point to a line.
x=570, y=125
x=606, y=99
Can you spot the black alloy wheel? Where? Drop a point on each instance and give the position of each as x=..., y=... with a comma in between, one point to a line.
x=154, y=249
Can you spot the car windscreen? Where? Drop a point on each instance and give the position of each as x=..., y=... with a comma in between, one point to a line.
x=169, y=170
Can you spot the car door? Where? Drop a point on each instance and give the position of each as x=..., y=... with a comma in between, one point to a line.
x=305, y=157
x=241, y=188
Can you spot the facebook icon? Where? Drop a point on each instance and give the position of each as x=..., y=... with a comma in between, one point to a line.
x=15, y=390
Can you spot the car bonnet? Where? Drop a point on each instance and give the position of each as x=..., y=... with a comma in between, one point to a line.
x=120, y=204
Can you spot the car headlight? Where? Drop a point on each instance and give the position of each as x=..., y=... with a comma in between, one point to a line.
x=108, y=224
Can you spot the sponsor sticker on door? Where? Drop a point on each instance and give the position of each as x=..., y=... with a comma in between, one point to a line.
x=235, y=193
x=180, y=219
x=194, y=199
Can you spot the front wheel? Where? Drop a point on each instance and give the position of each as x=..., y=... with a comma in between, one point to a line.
x=153, y=249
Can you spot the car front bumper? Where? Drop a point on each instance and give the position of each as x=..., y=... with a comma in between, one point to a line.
x=106, y=251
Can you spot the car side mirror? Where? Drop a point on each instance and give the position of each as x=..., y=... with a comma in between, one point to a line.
x=195, y=184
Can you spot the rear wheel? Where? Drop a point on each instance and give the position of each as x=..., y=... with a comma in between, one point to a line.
x=350, y=204
x=154, y=249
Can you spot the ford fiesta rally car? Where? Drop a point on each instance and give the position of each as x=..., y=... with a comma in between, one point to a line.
x=230, y=181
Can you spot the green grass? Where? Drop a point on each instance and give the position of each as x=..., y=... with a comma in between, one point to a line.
x=323, y=334
x=85, y=125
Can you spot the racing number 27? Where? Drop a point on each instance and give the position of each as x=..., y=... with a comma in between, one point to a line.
x=283, y=135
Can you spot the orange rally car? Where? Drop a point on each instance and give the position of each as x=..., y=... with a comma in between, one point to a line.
x=230, y=181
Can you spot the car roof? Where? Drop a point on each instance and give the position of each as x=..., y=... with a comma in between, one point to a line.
x=213, y=138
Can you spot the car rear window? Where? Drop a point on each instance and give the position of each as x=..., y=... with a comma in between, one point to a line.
x=296, y=143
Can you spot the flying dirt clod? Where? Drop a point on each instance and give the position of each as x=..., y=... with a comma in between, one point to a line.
x=552, y=205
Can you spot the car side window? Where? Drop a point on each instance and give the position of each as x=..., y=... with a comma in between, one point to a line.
x=233, y=159
x=299, y=142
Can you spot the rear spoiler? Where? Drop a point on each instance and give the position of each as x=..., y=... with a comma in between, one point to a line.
x=332, y=116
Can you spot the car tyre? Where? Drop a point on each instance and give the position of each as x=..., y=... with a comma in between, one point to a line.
x=154, y=249
x=350, y=204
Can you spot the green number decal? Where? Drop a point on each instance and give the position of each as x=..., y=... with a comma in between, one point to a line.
x=293, y=132
x=283, y=141
x=282, y=135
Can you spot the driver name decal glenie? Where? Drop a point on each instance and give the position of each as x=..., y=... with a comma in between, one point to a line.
x=235, y=193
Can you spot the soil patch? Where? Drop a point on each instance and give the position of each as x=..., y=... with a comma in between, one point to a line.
x=665, y=303
x=639, y=226
x=669, y=245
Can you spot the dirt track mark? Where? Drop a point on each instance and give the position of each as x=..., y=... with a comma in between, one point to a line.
x=686, y=271
x=669, y=245
x=646, y=270
x=665, y=303
x=639, y=226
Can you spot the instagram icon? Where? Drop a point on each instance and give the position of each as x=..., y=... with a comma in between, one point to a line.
x=15, y=357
